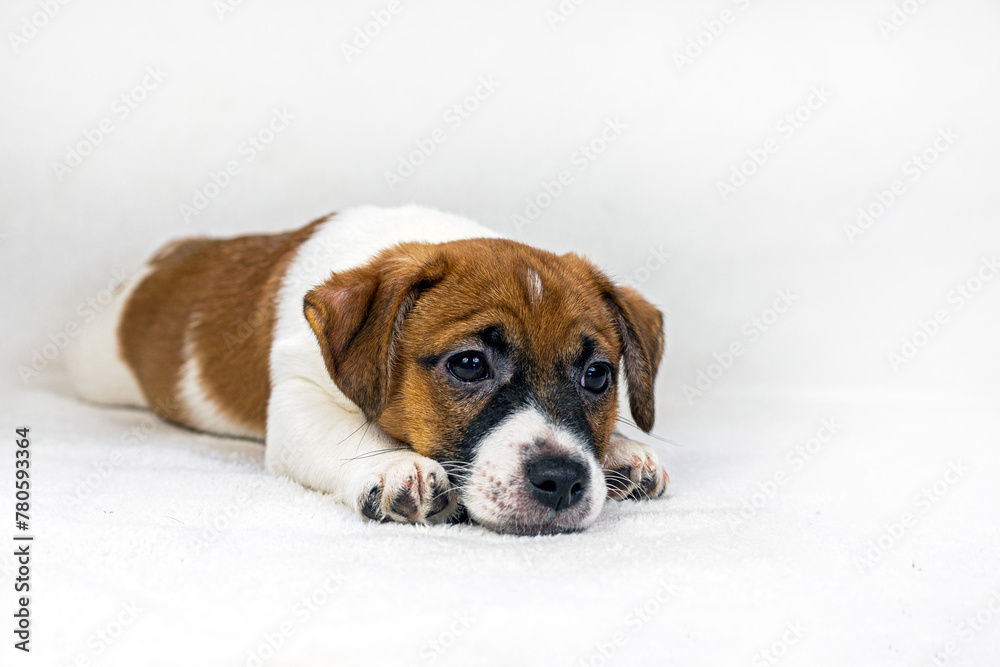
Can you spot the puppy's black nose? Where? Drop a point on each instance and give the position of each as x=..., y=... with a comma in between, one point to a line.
x=558, y=483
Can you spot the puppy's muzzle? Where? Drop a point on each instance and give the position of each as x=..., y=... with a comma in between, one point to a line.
x=530, y=475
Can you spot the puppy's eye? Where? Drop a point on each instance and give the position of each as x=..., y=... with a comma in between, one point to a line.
x=596, y=378
x=469, y=366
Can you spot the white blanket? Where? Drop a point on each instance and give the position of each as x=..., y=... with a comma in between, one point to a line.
x=836, y=533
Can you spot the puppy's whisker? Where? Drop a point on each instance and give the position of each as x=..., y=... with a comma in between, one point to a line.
x=440, y=494
x=366, y=455
x=456, y=466
x=348, y=436
x=622, y=484
x=629, y=422
x=361, y=440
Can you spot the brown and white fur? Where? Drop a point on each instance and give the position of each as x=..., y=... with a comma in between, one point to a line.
x=350, y=347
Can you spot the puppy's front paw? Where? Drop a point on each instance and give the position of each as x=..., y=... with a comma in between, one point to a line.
x=410, y=489
x=632, y=470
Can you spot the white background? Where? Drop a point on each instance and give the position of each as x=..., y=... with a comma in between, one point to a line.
x=654, y=189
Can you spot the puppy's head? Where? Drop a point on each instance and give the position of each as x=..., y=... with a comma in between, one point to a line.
x=499, y=360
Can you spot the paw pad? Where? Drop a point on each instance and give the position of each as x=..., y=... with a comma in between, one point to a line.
x=410, y=489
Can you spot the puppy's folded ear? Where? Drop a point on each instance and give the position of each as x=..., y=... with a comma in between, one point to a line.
x=641, y=327
x=358, y=314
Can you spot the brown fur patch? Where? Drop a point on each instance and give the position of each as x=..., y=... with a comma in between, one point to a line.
x=228, y=286
x=380, y=324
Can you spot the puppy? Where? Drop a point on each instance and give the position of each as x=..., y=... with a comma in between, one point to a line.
x=410, y=363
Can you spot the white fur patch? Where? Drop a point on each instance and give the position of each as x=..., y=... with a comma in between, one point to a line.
x=534, y=284
x=201, y=410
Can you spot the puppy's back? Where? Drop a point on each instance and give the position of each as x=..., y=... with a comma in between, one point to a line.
x=191, y=337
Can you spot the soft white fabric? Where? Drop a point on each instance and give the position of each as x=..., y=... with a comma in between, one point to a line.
x=217, y=554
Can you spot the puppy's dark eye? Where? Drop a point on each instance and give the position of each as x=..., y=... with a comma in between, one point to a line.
x=469, y=366
x=596, y=378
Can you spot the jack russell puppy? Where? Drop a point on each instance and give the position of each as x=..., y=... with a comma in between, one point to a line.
x=411, y=363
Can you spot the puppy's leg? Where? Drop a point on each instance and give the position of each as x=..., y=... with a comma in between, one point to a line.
x=632, y=470
x=334, y=449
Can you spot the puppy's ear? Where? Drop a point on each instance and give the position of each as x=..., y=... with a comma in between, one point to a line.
x=358, y=314
x=641, y=327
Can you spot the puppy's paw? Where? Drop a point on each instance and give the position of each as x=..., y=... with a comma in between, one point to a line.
x=632, y=470
x=409, y=488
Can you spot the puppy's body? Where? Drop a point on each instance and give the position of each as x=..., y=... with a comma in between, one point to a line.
x=337, y=344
